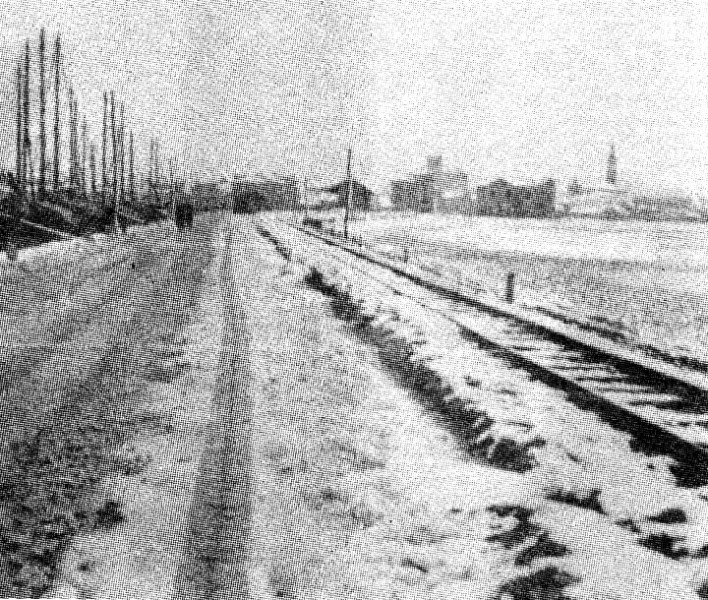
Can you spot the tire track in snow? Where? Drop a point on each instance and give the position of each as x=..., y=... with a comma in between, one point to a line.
x=215, y=563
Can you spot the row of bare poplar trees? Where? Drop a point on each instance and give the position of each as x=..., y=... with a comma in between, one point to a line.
x=116, y=186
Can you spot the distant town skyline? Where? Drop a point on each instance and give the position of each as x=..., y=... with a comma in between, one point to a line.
x=501, y=90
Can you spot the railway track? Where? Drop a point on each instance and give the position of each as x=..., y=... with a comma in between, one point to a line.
x=664, y=408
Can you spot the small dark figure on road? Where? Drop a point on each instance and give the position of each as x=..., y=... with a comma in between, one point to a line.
x=184, y=215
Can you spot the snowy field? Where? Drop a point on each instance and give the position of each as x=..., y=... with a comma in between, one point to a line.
x=561, y=502
x=645, y=281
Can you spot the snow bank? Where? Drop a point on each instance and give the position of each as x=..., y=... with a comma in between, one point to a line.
x=92, y=250
x=600, y=519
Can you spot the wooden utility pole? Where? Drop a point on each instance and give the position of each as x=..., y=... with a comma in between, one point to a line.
x=26, y=143
x=349, y=194
x=19, y=161
x=104, y=148
x=57, y=60
x=42, y=122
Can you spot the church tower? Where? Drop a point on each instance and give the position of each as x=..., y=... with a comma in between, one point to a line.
x=612, y=166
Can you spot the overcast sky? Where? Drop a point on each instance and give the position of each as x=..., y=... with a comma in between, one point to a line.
x=524, y=90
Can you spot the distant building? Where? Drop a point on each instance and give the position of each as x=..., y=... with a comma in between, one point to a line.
x=503, y=199
x=282, y=193
x=433, y=191
x=361, y=197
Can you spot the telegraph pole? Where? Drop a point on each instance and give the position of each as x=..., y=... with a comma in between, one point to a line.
x=57, y=59
x=42, y=124
x=349, y=194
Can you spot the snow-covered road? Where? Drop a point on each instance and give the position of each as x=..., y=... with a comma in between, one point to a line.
x=197, y=415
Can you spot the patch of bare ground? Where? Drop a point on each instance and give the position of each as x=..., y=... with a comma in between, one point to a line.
x=73, y=397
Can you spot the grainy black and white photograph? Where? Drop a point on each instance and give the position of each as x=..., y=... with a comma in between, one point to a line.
x=373, y=300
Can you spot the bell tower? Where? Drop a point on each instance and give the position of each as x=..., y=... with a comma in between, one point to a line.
x=612, y=166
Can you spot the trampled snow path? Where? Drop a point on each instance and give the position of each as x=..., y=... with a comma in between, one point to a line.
x=619, y=525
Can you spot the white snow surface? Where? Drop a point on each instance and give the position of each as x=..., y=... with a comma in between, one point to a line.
x=88, y=250
x=579, y=454
x=644, y=280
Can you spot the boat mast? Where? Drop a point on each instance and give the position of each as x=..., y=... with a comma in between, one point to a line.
x=72, y=143
x=122, y=153
x=131, y=175
x=150, y=168
x=42, y=123
x=57, y=60
x=104, y=147
x=26, y=164
x=114, y=165
x=84, y=185
x=92, y=165
x=19, y=167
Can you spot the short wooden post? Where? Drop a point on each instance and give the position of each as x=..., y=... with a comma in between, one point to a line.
x=510, y=287
x=405, y=255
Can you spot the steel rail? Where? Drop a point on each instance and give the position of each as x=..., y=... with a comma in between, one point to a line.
x=650, y=437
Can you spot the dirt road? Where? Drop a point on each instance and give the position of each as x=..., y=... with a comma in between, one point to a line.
x=171, y=426
x=83, y=343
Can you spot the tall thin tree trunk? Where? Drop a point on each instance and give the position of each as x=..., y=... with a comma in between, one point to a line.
x=57, y=62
